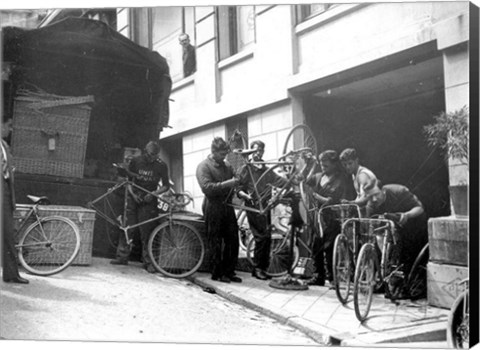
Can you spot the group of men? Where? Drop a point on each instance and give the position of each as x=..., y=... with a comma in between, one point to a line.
x=219, y=182
x=217, y=179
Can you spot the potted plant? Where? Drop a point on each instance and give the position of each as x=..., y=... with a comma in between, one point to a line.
x=450, y=133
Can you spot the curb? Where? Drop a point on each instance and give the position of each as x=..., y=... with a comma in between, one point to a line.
x=286, y=318
x=428, y=331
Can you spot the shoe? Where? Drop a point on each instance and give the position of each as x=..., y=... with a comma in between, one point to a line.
x=17, y=279
x=118, y=262
x=223, y=279
x=235, y=279
x=259, y=274
x=150, y=269
x=316, y=281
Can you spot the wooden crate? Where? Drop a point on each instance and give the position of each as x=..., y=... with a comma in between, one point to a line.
x=448, y=240
x=442, y=283
x=50, y=135
x=82, y=217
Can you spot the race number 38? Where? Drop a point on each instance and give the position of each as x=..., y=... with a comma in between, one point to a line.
x=163, y=206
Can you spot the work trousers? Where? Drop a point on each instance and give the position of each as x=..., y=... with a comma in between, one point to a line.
x=137, y=213
x=9, y=252
x=323, y=247
x=260, y=226
x=222, y=232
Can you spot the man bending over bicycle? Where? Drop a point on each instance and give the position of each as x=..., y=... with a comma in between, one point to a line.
x=146, y=171
x=397, y=203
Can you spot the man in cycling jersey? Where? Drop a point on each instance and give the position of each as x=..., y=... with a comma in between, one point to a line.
x=361, y=176
x=147, y=171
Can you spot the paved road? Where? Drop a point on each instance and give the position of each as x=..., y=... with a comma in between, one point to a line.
x=103, y=302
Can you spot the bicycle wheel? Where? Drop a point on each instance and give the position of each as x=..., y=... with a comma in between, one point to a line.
x=244, y=232
x=364, y=281
x=49, y=245
x=417, y=278
x=280, y=259
x=458, y=325
x=300, y=136
x=342, y=268
x=176, y=249
x=280, y=256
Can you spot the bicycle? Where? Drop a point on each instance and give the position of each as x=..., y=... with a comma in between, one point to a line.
x=300, y=147
x=49, y=244
x=458, y=326
x=174, y=246
x=297, y=160
x=345, y=248
x=369, y=270
x=379, y=237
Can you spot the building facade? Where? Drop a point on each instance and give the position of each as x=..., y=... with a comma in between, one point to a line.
x=368, y=76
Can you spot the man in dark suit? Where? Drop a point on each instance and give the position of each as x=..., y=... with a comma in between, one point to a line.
x=9, y=253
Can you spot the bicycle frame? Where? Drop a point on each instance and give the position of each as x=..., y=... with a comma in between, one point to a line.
x=343, y=209
x=380, y=240
x=32, y=212
x=275, y=198
x=123, y=223
x=280, y=191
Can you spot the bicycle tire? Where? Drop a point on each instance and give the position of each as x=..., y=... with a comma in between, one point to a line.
x=176, y=249
x=364, y=281
x=417, y=278
x=458, y=328
x=300, y=136
x=49, y=245
x=307, y=206
x=280, y=260
x=342, y=268
x=244, y=232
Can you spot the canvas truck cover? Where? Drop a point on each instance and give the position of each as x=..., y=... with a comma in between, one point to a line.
x=79, y=57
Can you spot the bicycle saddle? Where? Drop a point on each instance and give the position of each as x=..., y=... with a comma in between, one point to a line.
x=244, y=152
x=39, y=200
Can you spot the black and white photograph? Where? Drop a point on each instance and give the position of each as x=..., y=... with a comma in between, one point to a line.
x=251, y=174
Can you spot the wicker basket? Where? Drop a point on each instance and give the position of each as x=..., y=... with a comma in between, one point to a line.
x=50, y=134
x=82, y=217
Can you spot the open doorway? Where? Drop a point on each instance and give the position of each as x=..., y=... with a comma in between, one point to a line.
x=382, y=116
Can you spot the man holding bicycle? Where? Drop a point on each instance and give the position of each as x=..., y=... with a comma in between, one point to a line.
x=146, y=171
x=216, y=180
x=259, y=223
x=398, y=204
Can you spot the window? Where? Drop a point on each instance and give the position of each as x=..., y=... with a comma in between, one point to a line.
x=305, y=12
x=167, y=23
x=236, y=29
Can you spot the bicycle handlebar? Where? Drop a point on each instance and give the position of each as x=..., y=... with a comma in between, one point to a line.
x=180, y=199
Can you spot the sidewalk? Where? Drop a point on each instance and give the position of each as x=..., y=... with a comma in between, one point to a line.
x=318, y=313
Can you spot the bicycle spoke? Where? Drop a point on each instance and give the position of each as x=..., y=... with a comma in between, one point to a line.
x=176, y=249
